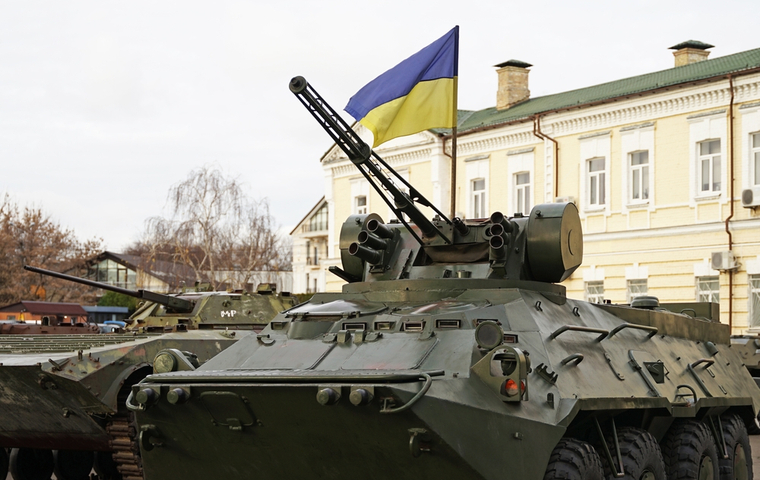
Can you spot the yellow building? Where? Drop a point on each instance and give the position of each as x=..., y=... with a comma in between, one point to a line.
x=664, y=168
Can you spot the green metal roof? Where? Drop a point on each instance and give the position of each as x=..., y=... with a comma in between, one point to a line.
x=716, y=67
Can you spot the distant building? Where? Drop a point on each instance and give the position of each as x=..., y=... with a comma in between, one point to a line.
x=310, y=250
x=664, y=168
x=134, y=272
x=39, y=312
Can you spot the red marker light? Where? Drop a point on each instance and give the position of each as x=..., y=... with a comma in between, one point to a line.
x=510, y=388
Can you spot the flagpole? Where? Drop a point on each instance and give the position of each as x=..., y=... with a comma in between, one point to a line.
x=453, y=172
x=454, y=153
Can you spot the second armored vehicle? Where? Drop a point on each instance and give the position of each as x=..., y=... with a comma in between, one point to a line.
x=62, y=396
x=452, y=352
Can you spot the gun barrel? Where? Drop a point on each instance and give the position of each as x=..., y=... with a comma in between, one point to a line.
x=177, y=304
x=362, y=155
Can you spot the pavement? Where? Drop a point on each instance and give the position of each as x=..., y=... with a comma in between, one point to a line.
x=754, y=441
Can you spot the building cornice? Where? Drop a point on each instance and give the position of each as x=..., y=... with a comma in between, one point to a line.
x=610, y=115
x=344, y=167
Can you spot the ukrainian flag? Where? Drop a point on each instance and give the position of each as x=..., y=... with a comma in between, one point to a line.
x=417, y=94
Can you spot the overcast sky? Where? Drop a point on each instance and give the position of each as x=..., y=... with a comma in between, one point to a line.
x=105, y=105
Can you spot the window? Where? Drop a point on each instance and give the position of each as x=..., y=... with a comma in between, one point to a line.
x=308, y=250
x=708, y=289
x=108, y=271
x=318, y=221
x=636, y=288
x=709, y=166
x=478, y=187
x=756, y=159
x=754, y=301
x=522, y=192
x=316, y=255
x=307, y=284
x=360, y=205
x=596, y=182
x=639, y=175
x=595, y=292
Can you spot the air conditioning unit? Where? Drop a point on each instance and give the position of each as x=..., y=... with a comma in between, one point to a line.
x=567, y=199
x=751, y=197
x=724, y=261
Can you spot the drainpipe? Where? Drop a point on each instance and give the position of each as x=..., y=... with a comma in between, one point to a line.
x=537, y=132
x=730, y=201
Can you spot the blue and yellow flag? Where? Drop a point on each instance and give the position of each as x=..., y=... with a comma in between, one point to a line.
x=415, y=95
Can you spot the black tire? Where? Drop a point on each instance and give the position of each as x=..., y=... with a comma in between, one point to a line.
x=3, y=463
x=738, y=465
x=689, y=451
x=31, y=464
x=642, y=458
x=574, y=460
x=73, y=464
x=105, y=466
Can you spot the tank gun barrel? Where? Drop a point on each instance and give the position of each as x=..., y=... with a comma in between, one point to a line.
x=177, y=304
x=367, y=161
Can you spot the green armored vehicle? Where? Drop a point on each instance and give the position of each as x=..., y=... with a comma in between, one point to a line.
x=62, y=396
x=453, y=352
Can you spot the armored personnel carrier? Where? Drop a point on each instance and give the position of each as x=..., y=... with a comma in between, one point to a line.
x=453, y=352
x=62, y=396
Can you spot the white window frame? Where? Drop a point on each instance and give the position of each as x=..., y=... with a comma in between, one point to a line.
x=519, y=162
x=596, y=184
x=639, y=183
x=360, y=205
x=359, y=189
x=754, y=148
x=706, y=127
x=636, y=284
x=478, y=198
x=523, y=194
x=595, y=296
x=753, y=301
x=709, y=160
x=635, y=139
x=593, y=147
x=750, y=125
x=708, y=288
x=636, y=276
x=477, y=169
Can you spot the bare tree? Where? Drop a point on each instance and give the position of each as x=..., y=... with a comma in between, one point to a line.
x=216, y=230
x=28, y=236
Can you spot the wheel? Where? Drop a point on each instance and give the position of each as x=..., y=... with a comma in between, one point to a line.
x=642, y=459
x=738, y=465
x=73, y=464
x=3, y=463
x=574, y=460
x=105, y=466
x=31, y=464
x=689, y=451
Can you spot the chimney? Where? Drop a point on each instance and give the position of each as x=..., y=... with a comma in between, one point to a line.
x=690, y=51
x=513, y=83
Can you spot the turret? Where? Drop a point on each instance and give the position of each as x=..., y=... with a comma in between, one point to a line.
x=546, y=246
x=178, y=305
